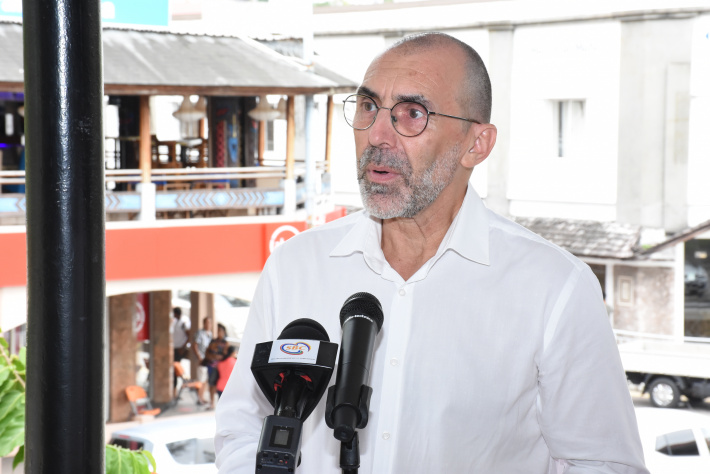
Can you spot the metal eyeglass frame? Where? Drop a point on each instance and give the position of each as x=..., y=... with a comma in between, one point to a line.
x=392, y=117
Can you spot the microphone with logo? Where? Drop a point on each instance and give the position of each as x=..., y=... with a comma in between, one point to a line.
x=348, y=402
x=293, y=373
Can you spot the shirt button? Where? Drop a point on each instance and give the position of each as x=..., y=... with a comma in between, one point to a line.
x=402, y=292
x=385, y=435
x=394, y=362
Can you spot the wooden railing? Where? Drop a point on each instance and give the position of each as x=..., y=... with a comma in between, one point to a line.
x=184, y=191
x=182, y=174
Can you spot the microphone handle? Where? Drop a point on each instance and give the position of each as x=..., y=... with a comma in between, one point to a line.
x=291, y=396
x=356, y=352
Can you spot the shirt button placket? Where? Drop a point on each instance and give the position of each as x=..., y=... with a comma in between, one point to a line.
x=391, y=391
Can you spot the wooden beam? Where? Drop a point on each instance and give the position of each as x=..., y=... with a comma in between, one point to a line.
x=290, y=137
x=328, y=133
x=262, y=141
x=208, y=90
x=144, y=140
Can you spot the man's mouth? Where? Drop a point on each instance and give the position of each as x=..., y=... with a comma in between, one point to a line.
x=381, y=175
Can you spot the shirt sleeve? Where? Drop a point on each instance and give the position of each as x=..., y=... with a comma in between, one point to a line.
x=242, y=407
x=584, y=406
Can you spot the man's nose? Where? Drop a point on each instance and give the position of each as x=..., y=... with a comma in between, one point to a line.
x=382, y=131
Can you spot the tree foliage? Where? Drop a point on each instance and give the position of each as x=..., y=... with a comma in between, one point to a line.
x=125, y=461
x=12, y=420
x=12, y=402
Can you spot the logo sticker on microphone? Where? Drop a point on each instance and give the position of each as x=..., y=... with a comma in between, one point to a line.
x=296, y=351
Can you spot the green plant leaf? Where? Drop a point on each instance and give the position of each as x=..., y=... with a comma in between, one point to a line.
x=5, y=371
x=19, y=457
x=19, y=365
x=151, y=460
x=126, y=461
x=112, y=460
x=140, y=465
x=12, y=437
x=23, y=355
x=9, y=402
x=4, y=343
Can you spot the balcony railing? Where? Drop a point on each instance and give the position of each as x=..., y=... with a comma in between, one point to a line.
x=188, y=192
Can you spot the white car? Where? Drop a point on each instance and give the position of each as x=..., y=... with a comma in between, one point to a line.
x=180, y=445
x=674, y=441
x=229, y=311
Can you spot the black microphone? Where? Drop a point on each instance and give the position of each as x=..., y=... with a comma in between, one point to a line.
x=293, y=373
x=348, y=400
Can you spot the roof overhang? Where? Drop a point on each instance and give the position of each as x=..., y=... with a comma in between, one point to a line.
x=140, y=62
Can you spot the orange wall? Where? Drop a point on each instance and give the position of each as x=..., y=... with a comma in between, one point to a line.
x=167, y=251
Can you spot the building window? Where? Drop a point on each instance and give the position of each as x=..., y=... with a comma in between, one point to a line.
x=626, y=291
x=568, y=122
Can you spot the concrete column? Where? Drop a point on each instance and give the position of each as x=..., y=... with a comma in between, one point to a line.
x=146, y=187
x=675, y=159
x=649, y=173
x=500, y=69
x=161, y=357
x=201, y=306
x=122, y=353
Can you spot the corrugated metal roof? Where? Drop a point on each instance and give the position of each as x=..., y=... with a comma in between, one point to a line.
x=153, y=62
x=587, y=238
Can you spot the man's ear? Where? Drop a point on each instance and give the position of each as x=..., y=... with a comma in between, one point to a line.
x=484, y=138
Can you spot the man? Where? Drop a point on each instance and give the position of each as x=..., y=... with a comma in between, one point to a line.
x=216, y=352
x=202, y=341
x=181, y=335
x=495, y=355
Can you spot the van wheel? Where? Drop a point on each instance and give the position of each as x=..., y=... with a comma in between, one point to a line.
x=664, y=393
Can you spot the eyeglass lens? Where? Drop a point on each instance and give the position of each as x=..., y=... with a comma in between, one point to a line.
x=408, y=118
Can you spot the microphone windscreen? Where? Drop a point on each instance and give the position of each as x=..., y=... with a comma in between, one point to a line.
x=305, y=328
x=364, y=304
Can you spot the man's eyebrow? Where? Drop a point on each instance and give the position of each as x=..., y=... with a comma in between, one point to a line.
x=418, y=98
x=364, y=90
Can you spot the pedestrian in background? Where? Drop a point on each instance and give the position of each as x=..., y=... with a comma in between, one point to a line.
x=202, y=340
x=224, y=367
x=216, y=351
x=181, y=335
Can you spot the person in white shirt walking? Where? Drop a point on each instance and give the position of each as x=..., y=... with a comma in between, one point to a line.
x=181, y=335
x=496, y=354
x=202, y=341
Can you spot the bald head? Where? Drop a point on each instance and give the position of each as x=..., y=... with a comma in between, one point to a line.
x=475, y=92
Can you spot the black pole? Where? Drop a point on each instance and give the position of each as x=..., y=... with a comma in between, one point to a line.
x=65, y=236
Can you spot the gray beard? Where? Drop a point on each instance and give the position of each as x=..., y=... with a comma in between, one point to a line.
x=416, y=193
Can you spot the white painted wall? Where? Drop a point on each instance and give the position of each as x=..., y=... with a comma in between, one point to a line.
x=555, y=62
x=699, y=146
x=13, y=307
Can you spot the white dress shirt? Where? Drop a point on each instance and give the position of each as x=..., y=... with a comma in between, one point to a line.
x=495, y=357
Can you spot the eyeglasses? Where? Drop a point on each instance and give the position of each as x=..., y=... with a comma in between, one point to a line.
x=409, y=119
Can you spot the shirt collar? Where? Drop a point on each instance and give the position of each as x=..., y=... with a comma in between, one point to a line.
x=364, y=238
x=467, y=236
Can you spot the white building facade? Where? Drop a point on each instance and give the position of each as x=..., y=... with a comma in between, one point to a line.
x=603, y=110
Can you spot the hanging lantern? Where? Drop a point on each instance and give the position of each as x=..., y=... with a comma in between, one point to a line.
x=264, y=111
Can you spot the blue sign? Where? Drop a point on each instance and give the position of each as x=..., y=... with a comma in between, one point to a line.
x=125, y=12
